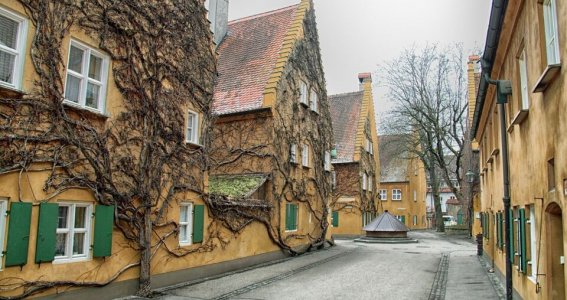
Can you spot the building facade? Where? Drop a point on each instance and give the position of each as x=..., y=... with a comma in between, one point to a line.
x=356, y=165
x=402, y=183
x=525, y=45
x=272, y=134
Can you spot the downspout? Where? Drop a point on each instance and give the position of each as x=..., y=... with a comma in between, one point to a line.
x=503, y=89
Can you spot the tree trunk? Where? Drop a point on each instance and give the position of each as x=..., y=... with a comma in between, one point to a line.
x=439, y=224
x=144, y=288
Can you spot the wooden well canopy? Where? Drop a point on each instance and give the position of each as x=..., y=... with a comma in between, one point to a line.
x=386, y=226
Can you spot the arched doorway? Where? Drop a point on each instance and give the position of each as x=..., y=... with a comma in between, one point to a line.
x=555, y=255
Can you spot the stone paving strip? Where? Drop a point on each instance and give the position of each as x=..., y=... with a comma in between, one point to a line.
x=234, y=283
x=439, y=286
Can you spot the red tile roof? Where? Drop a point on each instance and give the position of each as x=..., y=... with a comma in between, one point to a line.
x=345, y=112
x=247, y=57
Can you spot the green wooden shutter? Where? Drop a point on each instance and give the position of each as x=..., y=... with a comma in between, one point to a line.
x=522, y=242
x=295, y=216
x=335, y=219
x=104, y=222
x=18, y=234
x=488, y=226
x=511, y=232
x=500, y=230
x=46, y=232
x=198, y=223
x=403, y=219
x=287, y=217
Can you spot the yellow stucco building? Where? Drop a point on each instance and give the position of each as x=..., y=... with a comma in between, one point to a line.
x=121, y=141
x=403, y=186
x=357, y=164
x=526, y=46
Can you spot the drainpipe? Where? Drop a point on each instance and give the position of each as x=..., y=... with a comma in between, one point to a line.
x=503, y=89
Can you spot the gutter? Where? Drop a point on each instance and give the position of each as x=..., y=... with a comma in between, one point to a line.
x=491, y=46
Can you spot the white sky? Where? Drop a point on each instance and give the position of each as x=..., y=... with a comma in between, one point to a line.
x=358, y=35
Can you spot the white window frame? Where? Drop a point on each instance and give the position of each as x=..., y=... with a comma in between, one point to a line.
x=313, y=100
x=370, y=183
x=396, y=195
x=414, y=220
x=293, y=153
x=523, y=68
x=384, y=195
x=194, y=138
x=70, y=231
x=370, y=147
x=327, y=158
x=334, y=179
x=364, y=181
x=305, y=155
x=19, y=51
x=303, y=93
x=551, y=32
x=3, y=216
x=188, y=206
x=84, y=77
x=414, y=196
x=533, y=243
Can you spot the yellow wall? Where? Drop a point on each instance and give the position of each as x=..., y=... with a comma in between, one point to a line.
x=532, y=143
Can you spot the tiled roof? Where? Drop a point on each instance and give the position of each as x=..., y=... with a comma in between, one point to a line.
x=453, y=201
x=247, y=57
x=345, y=112
x=393, y=159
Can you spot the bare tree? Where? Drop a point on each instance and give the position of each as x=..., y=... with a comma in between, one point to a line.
x=428, y=88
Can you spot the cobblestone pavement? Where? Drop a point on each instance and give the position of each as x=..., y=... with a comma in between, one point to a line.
x=438, y=267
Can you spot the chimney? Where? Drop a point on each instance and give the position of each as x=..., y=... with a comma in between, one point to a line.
x=364, y=78
x=218, y=15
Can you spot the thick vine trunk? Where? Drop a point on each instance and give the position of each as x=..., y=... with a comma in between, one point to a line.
x=144, y=288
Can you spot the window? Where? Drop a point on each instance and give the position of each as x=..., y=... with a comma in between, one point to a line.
x=12, y=47
x=364, y=181
x=397, y=194
x=192, y=135
x=383, y=195
x=293, y=153
x=414, y=195
x=303, y=93
x=185, y=223
x=335, y=219
x=327, y=161
x=414, y=220
x=524, y=80
x=314, y=100
x=87, y=72
x=73, y=231
x=551, y=32
x=370, y=183
x=305, y=155
x=291, y=217
x=334, y=179
x=551, y=175
x=533, y=241
x=3, y=205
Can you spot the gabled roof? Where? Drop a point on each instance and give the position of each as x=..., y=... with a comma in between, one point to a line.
x=393, y=159
x=345, y=114
x=247, y=57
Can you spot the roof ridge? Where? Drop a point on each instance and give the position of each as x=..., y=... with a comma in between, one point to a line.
x=344, y=94
x=263, y=14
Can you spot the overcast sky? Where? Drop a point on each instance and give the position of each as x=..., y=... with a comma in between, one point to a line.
x=358, y=35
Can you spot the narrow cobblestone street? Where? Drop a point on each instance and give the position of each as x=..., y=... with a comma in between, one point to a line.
x=438, y=267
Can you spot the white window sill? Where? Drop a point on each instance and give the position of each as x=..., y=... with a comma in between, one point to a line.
x=185, y=244
x=11, y=88
x=59, y=261
x=295, y=230
x=85, y=108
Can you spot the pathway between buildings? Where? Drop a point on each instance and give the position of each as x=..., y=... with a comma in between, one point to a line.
x=438, y=267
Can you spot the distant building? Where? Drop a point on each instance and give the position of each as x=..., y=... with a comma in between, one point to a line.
x=402, y=182
x=450, y=205
x=356, y=165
